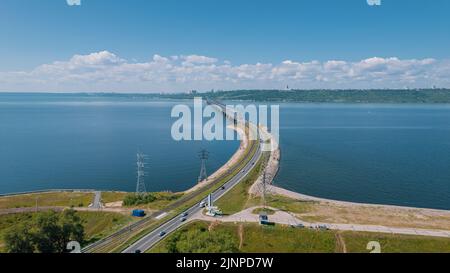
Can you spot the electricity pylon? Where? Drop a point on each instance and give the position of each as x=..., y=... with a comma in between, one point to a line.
x=203, y=155
x=140, y=185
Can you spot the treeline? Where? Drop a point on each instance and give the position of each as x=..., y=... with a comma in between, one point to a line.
x=147, y=198
x=337, y=96
x=311, y=96
x=202, y=241
x=45, y=232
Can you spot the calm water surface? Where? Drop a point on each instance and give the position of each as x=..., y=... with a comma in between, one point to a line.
x=54, y=141
x=389, y=154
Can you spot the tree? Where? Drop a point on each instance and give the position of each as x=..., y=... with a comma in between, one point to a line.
x=48, y=232
x=202, y=241
x=19, y=240
x=139, y=199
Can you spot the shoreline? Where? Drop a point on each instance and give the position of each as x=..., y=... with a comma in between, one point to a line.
x=234, y=158
x=304, y=197
x=273, y=167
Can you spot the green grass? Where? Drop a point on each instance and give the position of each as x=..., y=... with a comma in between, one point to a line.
x=96, y=224
x=283, y=239
x=263, y=210
x=390, y=243
x=100, y=224
x=283, y=203
x=50, y=199
x=7, y=222
x=262, y=239
x=235, y=200
x=113, y=196
x=196, y=238
x=162, y=200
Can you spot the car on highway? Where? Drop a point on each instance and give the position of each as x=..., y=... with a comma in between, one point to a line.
x=184, y=214
x=162, y=233
x=202, y=204
x=183, y=219
x=323, y=227
x=223, y=188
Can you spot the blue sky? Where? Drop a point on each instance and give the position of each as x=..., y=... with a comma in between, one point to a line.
x=238, y=35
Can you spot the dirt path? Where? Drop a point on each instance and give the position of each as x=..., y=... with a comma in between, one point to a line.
x=340, y=243
x=284, y=218
x=41, y=209
x=212, y=226
x=241, y=235
x=28, y=210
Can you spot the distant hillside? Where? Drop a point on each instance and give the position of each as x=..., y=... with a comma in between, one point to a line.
x=310, y=96
x=339, y=96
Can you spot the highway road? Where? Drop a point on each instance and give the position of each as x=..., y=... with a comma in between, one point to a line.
x=124, y=232
x=171, y=225
x=97, y=203
x=154, y=236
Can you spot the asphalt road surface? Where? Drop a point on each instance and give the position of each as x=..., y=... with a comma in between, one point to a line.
x=161, y=232
x=97, y=203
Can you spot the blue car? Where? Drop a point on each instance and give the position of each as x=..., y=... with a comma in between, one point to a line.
x=162, y=233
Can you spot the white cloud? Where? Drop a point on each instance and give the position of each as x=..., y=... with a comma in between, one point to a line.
x=197, y=59
x=105, y=71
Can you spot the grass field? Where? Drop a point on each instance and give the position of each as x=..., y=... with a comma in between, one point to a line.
x=50, y=199
x=390, y=243
x=267, y=211
x=96, y=224
x=100, y=224
x=252, y=238
x=282, y=203
x=163, y=199
x=113, y=196
x=79, y=199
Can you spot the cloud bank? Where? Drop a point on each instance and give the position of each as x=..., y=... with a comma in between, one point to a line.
x=106, y=72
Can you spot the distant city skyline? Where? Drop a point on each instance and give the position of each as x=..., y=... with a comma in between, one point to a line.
x=175, y=46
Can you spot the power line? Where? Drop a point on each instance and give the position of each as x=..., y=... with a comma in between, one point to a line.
x=140, y=185
x=264, y=188
x=203, y=155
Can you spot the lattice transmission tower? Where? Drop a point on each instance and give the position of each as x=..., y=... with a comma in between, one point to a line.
x=140, y=185
x=264, y=188
x=203, y=155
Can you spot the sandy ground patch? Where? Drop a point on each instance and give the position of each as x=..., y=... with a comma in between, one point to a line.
x=117, y=204
x=340, y=212
x=332, y=212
